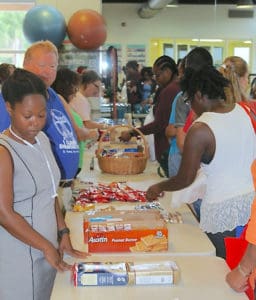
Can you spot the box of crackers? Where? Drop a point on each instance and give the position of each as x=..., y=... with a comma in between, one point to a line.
x=99, y=274
x=125, y=273
x=125, y=231
x=153, y=273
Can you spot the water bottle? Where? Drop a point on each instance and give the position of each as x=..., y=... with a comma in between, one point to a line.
x=140, y=146
x=128, y=115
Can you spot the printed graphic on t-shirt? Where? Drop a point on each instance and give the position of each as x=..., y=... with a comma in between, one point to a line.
x=64, y=128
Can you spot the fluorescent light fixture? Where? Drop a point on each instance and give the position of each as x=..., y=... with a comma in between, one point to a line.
x=208, y=40
x=174, y=3
x=244, y=4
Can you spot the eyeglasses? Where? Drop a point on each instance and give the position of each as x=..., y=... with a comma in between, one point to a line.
x=97, y=86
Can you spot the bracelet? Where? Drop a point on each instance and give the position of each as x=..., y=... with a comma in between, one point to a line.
x=62, y=232
x=241, y=271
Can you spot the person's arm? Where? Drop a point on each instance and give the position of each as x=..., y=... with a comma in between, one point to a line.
x=15, y=224
x=170, y=131
x=65, y=245
x=237, y=279
x=198, y=143
x=94, y=125
x=180, y=138
x=181, y=113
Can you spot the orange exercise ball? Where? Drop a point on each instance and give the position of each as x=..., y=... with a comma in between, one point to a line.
x=87, y=29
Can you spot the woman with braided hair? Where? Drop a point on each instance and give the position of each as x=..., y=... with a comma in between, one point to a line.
x=166, y=76
x=212, y=143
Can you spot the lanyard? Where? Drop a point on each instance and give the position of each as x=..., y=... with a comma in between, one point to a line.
x=44, y=157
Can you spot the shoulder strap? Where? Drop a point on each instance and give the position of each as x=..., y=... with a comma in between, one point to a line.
x=251, y=111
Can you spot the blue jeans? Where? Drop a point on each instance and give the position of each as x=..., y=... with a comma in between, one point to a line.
x=196, y=205
x=174, y=164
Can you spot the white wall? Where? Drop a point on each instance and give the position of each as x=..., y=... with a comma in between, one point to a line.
x=68, y=7
x=185, y=21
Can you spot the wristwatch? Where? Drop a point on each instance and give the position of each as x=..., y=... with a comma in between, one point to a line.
x=62, y=232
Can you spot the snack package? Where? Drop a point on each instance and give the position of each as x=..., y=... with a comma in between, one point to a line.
x=99, y=274
x=166, y=273
x=125, y=273
x=126, y=231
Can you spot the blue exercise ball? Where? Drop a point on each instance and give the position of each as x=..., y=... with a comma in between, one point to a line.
x=44, y=22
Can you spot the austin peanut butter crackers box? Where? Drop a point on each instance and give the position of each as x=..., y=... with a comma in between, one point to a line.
x=126, y=231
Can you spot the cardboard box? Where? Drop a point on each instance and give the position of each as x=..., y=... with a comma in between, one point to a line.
x=126, y=231
x=153, y=273
x=100, y=274
x=124, y=273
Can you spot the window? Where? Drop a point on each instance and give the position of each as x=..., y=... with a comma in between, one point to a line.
x=12, y=40
x=168, y=50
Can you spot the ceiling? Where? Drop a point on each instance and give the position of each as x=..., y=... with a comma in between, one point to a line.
x=191, y=2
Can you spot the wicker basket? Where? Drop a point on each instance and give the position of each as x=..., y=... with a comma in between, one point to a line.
x=129, y=164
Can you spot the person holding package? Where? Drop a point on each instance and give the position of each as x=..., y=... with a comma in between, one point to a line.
x=166, y=75
x=33, y=233
x=229, y=188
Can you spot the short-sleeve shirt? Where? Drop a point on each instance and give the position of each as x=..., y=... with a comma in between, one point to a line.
x=81, y=106
x=4, y=115
x=62, y=136
x=173, y=144
x=181, y=112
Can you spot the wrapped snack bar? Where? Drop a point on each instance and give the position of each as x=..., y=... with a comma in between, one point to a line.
x=166, y=273
x=99, y=274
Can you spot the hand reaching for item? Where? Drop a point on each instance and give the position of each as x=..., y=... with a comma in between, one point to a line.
x=55, y=256
x=125, y=136
x=153, y=192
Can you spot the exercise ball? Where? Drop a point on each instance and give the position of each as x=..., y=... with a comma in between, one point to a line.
x=44, y=22
x=87, y=29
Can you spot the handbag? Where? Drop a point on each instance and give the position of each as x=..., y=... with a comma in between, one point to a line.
x=235, y=249
x=193, y=192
